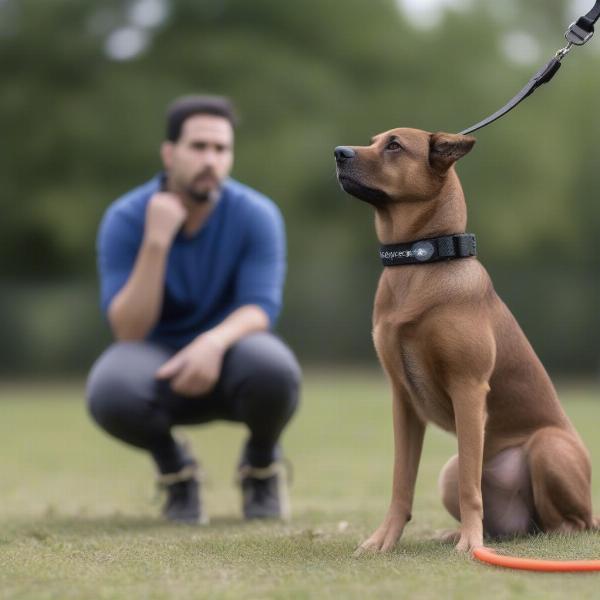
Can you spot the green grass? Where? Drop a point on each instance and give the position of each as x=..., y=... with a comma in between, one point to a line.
x=78, y=518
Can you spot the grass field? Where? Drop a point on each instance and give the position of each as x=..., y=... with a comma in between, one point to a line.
x=78, y=513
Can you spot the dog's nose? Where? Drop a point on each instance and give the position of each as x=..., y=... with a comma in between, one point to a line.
x=343, y=153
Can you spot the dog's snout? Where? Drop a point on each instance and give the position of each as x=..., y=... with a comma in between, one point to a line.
x=343, y=153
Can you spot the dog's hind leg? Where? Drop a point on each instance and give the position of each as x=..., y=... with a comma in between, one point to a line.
x=506, y=494
x=561, y=480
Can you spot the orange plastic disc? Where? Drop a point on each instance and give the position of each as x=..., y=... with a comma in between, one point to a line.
x=488, y=555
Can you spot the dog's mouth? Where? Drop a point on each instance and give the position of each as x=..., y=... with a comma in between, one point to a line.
x=363, y=192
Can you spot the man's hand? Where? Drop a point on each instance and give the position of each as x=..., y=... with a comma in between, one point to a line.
x=165, y=214
x=195, y=369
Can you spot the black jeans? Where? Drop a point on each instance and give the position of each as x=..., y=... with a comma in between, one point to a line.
x=258, y=386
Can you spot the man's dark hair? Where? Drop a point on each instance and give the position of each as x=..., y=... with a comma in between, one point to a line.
x=188, y=106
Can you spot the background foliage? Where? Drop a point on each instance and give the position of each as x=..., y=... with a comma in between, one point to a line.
x=79, y=128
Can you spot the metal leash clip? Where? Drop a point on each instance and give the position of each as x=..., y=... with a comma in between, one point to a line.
x=560, y=54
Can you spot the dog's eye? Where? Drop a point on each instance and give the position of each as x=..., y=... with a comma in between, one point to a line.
x=393, y=145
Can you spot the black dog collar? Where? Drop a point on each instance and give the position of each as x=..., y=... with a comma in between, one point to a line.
x=458, y=245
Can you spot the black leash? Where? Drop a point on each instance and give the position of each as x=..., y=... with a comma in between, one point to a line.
x=578, y=34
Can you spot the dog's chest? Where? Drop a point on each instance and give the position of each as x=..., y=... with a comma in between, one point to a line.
x=407, y=366
x=399, y=319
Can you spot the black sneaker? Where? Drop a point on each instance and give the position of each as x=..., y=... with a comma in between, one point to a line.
x=264, y=492
x=183, y=504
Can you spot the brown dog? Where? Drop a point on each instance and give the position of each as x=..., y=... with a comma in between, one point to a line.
x=455, y=356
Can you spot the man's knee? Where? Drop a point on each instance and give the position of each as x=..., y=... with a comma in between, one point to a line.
x=271, y=371
x=121, y=378
x=107, y=385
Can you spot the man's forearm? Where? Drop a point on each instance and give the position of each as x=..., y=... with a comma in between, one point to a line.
x=136, y=308
x=243, y=321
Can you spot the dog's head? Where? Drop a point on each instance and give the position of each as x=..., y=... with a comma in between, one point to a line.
x=400, y=165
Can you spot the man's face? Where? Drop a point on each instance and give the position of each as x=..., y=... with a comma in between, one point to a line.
x=202, y=157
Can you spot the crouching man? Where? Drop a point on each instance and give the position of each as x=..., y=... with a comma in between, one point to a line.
x=191, y=268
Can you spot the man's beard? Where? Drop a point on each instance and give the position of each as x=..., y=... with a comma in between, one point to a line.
x=201, y=196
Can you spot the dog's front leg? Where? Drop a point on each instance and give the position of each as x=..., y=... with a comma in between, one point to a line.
x=469, y=401
x=408, y=442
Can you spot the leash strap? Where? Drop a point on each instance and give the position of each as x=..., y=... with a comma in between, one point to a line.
x=583, y=29
x=577, y=34
x=545, y=74
x=458, y=245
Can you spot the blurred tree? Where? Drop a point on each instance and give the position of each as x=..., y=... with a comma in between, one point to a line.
x=80, y=128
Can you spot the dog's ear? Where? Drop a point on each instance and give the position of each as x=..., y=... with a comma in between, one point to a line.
x=446, y=148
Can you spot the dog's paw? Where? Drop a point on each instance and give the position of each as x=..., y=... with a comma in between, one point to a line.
x=365, y=548
x=468, y=543
x=373, y=546
x=383, y=539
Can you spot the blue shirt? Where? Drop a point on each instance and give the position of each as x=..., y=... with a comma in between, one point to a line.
x=236, y=258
